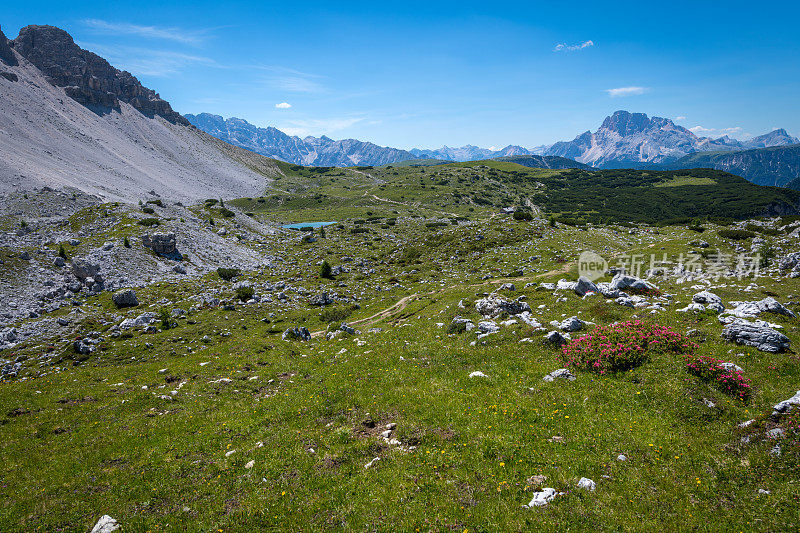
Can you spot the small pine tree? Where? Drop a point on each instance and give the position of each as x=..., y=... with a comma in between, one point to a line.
x=210, y=221
x=62, y=253
x=552, y=221
x=126, y=243
x=163, y=315
x=321, y=232
x=326, y=271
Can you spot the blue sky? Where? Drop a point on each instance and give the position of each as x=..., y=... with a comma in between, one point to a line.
x=424, y=74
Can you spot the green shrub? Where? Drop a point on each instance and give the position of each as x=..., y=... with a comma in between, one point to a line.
x=62, y=253
x=526, y=216
x=227, y=213
x=330, y=315
x=165, y=318
x=325, y=270
x=736, y=234
x=125, y=242
x=148, y=210
x=148, y=222
x=760, y=229
x=245, y=293
x=457, y=328
x=227, y=273
x=695, y=226
x=157, y=202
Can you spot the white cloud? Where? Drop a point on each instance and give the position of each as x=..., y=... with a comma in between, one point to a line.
x=318, y=126
x=291, y=80
x=564, y=47
x=626, y=91
x=147, y=61
x=715, y=132
x=150, y=32
x=295, y=84
x=680, y=118
x=283, y=105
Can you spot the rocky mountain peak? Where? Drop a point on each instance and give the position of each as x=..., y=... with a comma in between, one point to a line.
x=626, y=123
x=86, y=77
x=6, y=54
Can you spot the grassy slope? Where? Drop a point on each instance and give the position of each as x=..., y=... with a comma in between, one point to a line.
x=89, y=440
x=482, y=187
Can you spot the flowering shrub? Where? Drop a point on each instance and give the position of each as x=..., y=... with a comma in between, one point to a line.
x=651, y=292
x=623, y=345
x=710, y=369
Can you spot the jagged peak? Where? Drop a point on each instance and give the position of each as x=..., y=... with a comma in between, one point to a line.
x=86, y=77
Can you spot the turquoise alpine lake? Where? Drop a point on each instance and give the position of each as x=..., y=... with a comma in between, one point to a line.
x=301, y=225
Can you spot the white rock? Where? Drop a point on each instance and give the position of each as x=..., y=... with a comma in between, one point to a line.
x=478, y=374
x=372, y=463
x=106, y=524
x=586, y=483
x=543, y=497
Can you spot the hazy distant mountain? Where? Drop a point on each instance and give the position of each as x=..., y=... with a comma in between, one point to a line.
x=465, y=153
x=775, y=165
x=68, y=118
x=313, y=151
x=543, y=161
x=627, y=139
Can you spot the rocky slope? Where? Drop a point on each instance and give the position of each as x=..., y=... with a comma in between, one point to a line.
x=69, y=119
x=310, y=151
x=776, y=165
x=632, y=139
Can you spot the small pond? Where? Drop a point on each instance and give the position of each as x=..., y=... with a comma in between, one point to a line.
x=301, y=225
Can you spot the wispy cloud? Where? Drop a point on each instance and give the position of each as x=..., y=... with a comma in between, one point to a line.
x=323, y=126
x=626, y=91
x=283, y=105
x=680, y=118
x=564, y=47
x=150, y=32
x=715, y=132
x=147, y=61
x=291, y=80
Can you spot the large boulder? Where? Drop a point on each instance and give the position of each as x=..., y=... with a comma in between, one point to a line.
x=786, y=405
x=320, y=300
x=624, y=282
x=299, y=333
x=125, y=298
x=571, y=324
x=761, y=337
x=791, y=263
x=160, y=243
x=753, y=309
x=84, y=269
x=585, y=285
x=494, y=305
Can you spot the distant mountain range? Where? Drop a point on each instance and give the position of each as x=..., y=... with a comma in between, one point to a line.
x=626, y=140
x=310, y=151
x=623, y=140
